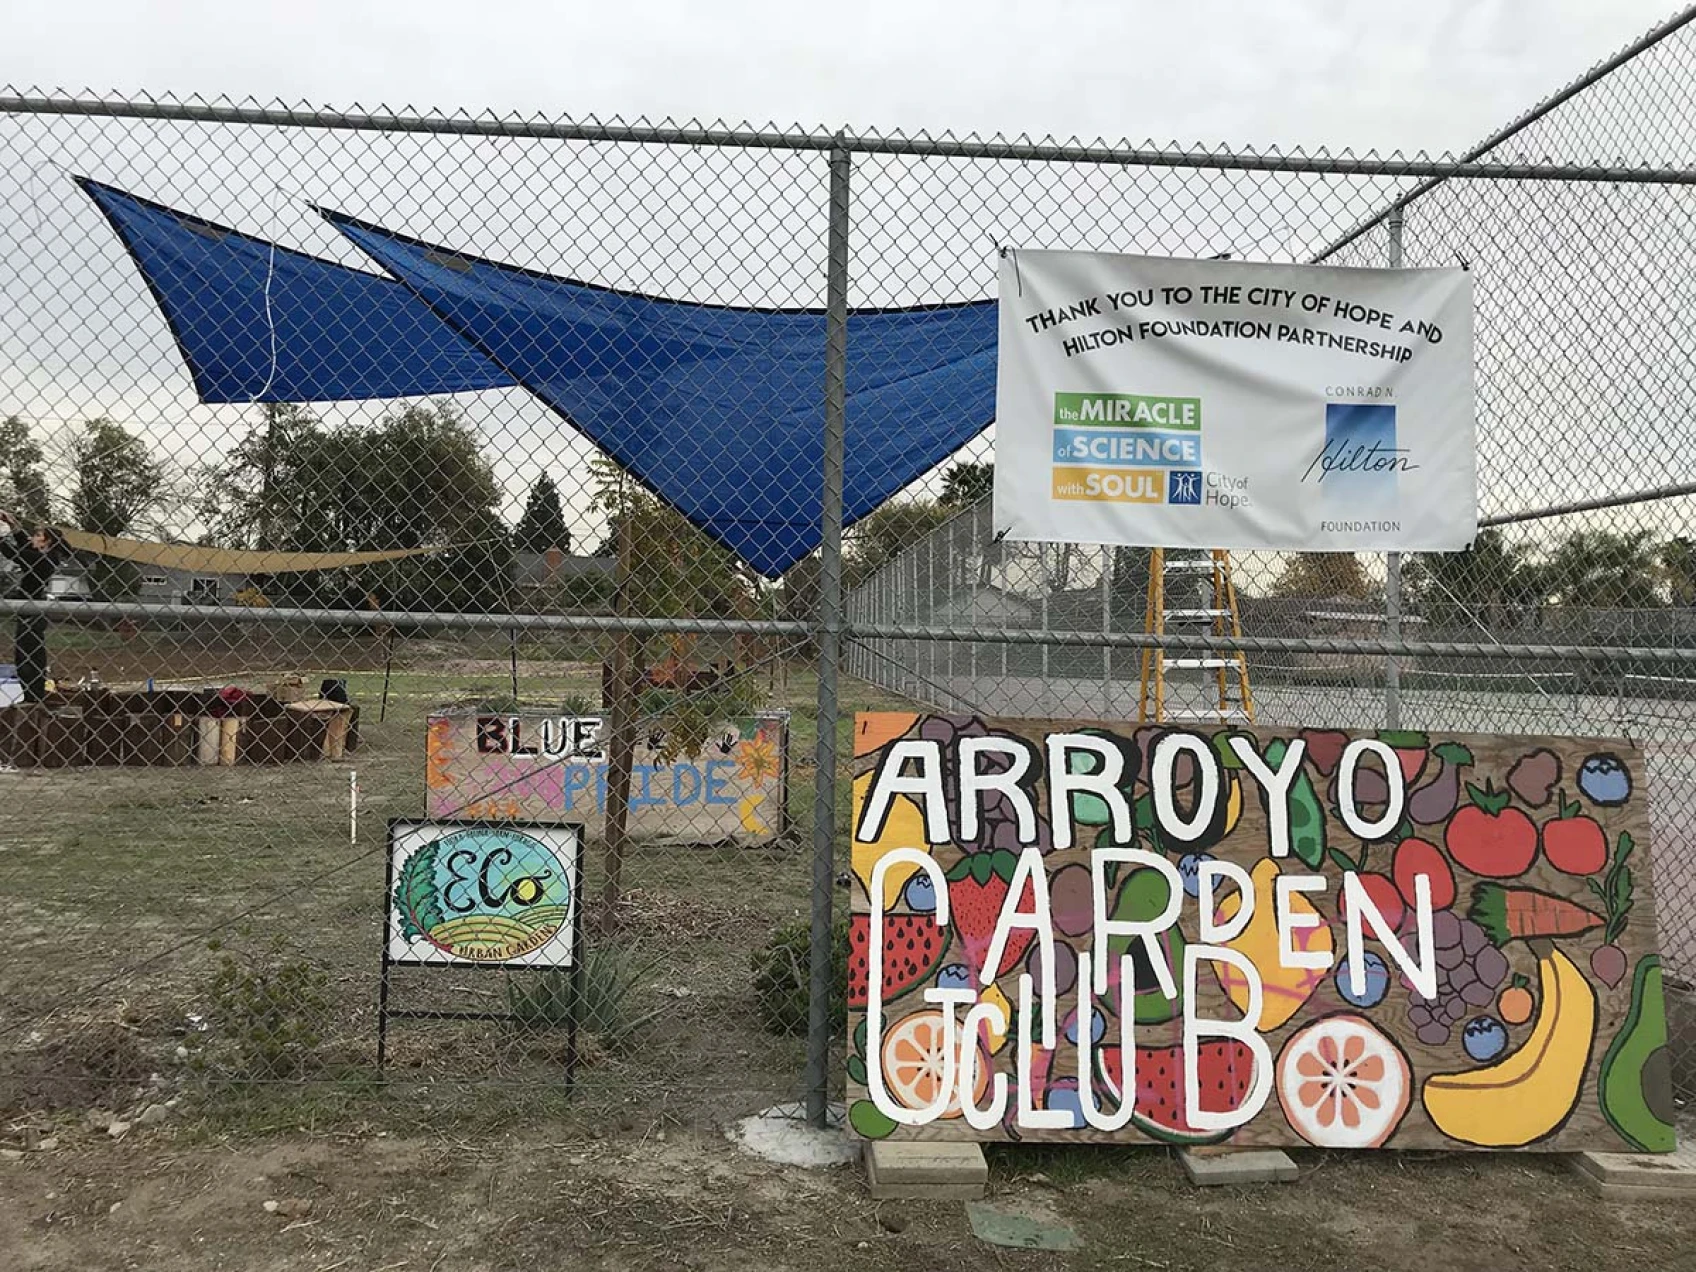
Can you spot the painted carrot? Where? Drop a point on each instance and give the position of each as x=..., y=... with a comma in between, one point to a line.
x=1515, y=914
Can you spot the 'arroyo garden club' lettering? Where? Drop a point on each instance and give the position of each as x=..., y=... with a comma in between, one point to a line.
x=1300, y=936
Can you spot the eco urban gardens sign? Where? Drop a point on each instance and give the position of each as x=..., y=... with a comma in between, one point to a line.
x=1266, y=937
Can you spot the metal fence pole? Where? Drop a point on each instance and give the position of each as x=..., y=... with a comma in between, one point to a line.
x=1106, y=627
x=829, y=638
x=1393, y=564
x=930, y=600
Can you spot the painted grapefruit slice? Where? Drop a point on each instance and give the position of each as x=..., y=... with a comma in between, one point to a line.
x=913, y=1063
x=1343, y=1083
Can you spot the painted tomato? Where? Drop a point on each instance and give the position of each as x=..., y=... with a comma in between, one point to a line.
x=1489, y=838
x=1384, y=896
x=1575, y=845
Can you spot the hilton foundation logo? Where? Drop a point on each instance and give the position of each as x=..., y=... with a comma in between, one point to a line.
x=1361, y=459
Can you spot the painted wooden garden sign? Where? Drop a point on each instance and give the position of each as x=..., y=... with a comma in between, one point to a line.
x=1265, y=937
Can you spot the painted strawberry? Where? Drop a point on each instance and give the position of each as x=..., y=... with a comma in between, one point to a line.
x=977, y=889
x=1325, y=748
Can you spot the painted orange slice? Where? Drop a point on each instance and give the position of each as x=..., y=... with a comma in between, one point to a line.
x=914, y=1063
x=1343, y=1083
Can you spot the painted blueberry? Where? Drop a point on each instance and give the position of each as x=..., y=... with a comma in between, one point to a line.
x=1097, y=1028
x=920, y=894
x=1605, y=780
x=1377, y=981
x=1189, y=870
x=954, y=976
x=1484, y=1038
x=1066, y=1099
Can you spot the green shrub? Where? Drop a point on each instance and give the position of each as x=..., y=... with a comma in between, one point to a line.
x=782, y=976
x=267, y=1014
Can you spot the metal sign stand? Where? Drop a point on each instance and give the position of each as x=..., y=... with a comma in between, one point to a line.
x=386, y=1013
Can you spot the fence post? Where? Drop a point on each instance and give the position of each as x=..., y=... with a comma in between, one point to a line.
x=830, y=637
x=1106, y=629
x=1393, y=563
x=930, y=606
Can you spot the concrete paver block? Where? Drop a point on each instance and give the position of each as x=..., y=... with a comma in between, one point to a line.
x=1639, y=1176
x=911, y=1170
x=1247, y=1166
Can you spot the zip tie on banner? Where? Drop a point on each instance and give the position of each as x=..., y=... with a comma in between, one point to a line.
x=1017, y=277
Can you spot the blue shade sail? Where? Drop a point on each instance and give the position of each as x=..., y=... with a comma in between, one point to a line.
x=325, y=333
x=719, y=410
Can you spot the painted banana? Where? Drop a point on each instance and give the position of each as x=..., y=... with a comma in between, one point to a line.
x=1233, y=803
x=1531, y=1092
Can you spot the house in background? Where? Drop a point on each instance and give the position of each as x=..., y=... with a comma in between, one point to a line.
x=162, y=586
x=556, y=579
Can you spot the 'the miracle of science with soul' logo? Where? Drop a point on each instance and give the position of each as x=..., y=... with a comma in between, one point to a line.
x=1127, y=448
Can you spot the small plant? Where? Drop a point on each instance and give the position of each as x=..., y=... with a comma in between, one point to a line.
x=577, y=704
x=268, y=1013
x=604, y=1002
x=782, y=977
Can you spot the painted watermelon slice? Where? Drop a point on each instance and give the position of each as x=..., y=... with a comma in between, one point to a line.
x=912, y=946
x=1227, y=1073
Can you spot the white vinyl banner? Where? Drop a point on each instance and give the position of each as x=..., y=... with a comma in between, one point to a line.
x=1151, y=402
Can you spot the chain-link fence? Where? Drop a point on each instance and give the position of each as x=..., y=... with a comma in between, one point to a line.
x=474, y=466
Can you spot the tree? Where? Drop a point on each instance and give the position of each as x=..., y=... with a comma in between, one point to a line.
x=675, y=570
x=1487, y=581
x=1678, y=566
x=543, y=524
x=116, y=479
x=1604, y=570
x=23, y=484
x=254, y=498
x=116, y=482
x=418, y=479
x=886, y=532
x=965, y=484
x=1323, y=574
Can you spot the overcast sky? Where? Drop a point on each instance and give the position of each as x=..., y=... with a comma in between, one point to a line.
x=1430, y=75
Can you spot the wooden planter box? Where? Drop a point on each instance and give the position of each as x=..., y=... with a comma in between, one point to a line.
x=173, y=729
x=64, y=739
x=158, y=741
x=20, y=736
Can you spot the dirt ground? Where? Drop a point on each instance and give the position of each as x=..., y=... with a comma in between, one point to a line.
x=174, y=1197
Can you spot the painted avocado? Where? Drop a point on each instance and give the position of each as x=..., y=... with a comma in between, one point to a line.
x=1307, y=817
x=1144, y=896
x=1636, y=1081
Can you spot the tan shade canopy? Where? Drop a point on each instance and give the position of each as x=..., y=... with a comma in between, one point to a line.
x=203, y=560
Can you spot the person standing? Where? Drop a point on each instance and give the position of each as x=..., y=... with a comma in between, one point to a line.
x=33, y=556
